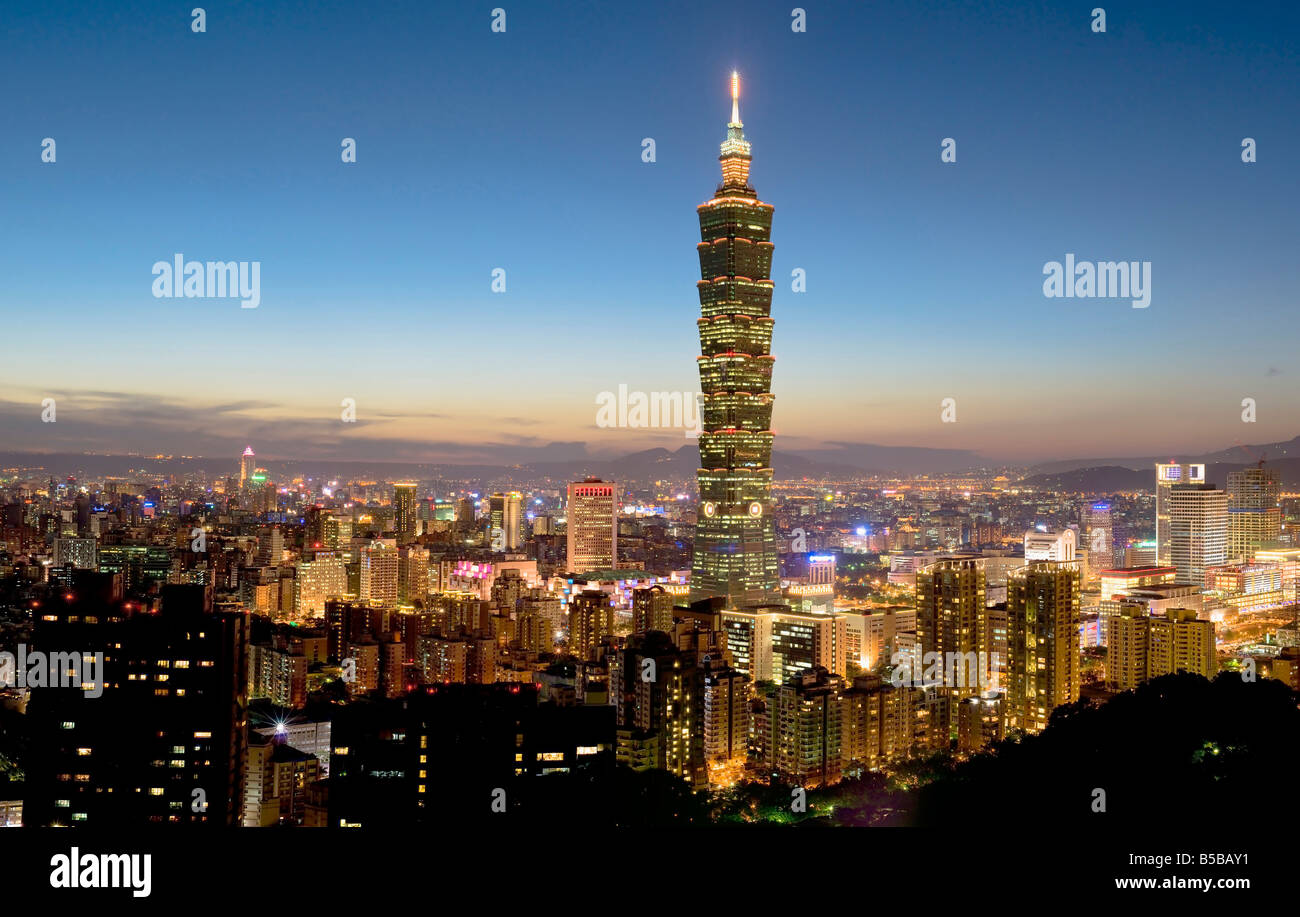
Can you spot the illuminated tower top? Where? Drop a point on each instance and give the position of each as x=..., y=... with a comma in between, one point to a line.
x=247, y=465
x=735, y=149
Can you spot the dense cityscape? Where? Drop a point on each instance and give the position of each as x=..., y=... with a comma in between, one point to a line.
x=187, y=643
x=358, y=551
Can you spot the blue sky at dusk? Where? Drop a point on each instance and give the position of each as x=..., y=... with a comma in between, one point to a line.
x=522, y=151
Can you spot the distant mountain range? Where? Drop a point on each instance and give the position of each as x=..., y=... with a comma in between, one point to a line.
x=838, y=462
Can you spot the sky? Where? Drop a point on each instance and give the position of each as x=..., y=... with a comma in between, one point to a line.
x=522, y=150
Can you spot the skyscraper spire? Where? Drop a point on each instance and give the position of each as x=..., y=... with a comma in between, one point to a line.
x=735, y=149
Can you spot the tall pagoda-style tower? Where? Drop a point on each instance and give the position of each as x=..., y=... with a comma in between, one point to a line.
x=735, y=539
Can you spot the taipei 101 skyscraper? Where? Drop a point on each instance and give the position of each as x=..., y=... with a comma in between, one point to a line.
x=735, y=538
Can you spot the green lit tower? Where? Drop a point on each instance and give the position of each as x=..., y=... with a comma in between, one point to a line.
x=735, y=539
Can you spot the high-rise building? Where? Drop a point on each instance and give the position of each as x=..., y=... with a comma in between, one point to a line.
x=808, y=728
x=775, y=643
x=877, y=723
x=657, y=689
x=952, y=619
x=1254, y=517
x=276, y=777
x=79, y=552
x=735, y=537
x=1167, y=475
x=247, y=465
x=506, y=518
x=170, y=721
x=404, y=512
x=592, y=525
x=652, y=609
x=1198, y=530
x=1043, y=616
x=323, y=577
x=591, y=619
x=270, y=546
x=1142, y=646
x=412, y=574
x=726, y=712
x=379, y=573
x=1100, y=537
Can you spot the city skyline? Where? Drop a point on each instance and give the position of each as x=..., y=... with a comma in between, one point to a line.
x=895, y=243
x=368, y=470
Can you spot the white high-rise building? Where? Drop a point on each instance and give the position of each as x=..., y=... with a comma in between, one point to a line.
x=1167, y=475
x=1198, y=530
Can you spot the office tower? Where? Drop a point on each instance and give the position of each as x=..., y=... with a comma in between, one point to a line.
x=592, y=526
x=164, y=743
x=1254, y=517
x=1043, y=616
x=79, y=552
x=379, y=573
x=1167, y=475
x=506, y=518
x=1100, y=538
x=808, y=729
x=1051, y=545
x=652, y=609
x=951, y=619
x=404, y=512
x=657, y=690
x=1198, y=530
x=247, y=465
x=270, y=546
x=591, y=619
x=735, y=538
x=1142, y=646
x=775, y=643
